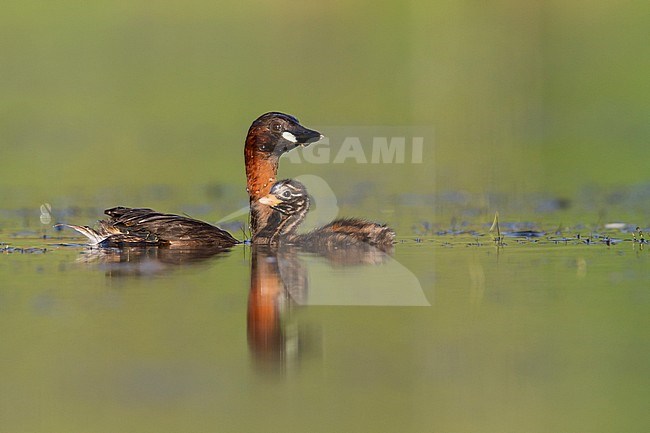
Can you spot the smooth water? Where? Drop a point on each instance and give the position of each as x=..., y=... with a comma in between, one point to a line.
x=447, y=333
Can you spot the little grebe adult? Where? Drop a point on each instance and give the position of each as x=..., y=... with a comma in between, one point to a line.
x=290, y=202
x=270, y=135
x=146, y=227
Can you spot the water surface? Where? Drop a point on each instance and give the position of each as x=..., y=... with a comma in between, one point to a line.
x=536, y=336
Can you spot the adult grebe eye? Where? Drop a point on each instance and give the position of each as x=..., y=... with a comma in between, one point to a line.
x=276, y=127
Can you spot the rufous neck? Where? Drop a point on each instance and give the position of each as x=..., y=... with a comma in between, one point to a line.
x=260, y=177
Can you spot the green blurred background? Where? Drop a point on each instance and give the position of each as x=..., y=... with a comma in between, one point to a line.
x=111, y=97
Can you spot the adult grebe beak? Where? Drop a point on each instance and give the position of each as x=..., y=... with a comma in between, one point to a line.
x=301, y=136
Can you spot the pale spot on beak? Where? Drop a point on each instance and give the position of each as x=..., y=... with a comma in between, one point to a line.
x=289, y=137
x=269, y=200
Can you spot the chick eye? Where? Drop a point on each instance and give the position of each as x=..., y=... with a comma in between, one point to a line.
x=286, y=194
x=276, y=127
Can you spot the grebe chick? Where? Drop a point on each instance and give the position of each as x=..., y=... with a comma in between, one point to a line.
x=290, y=202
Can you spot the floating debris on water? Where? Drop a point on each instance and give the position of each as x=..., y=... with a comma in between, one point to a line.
x=498, y=240
x=637, y=236
x=525, y=234
x=15, y=250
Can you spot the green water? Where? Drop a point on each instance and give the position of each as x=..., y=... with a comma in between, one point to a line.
x=533, y=336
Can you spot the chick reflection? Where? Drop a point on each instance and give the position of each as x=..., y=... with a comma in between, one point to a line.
x=278, y=283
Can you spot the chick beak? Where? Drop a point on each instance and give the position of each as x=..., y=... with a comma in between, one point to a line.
x=269, y=200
